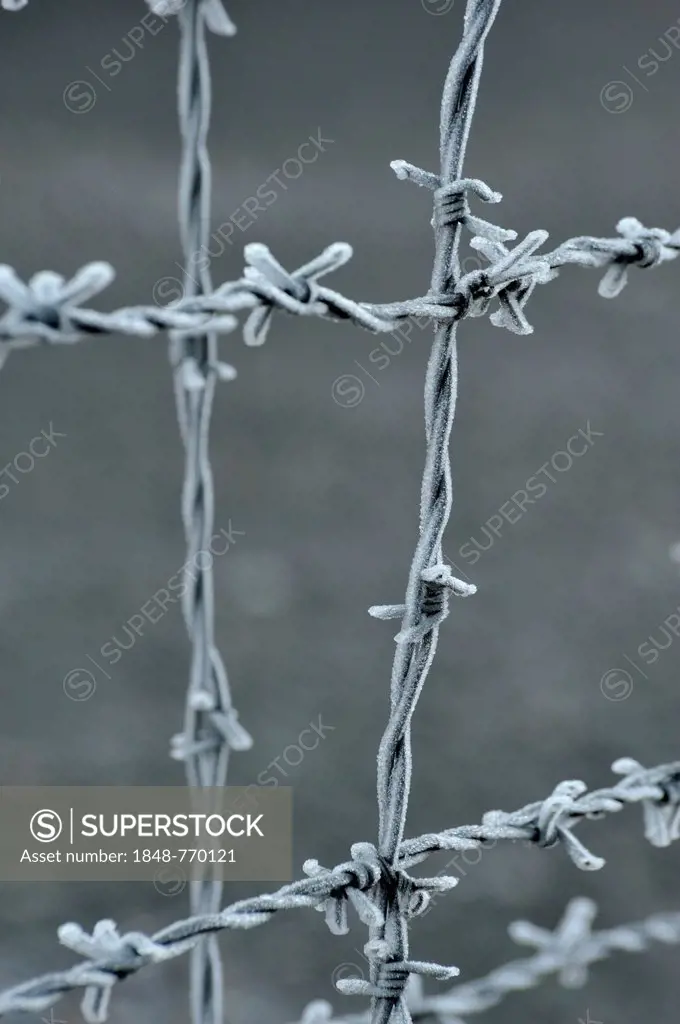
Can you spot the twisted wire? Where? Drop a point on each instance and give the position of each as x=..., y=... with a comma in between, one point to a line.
x=544, y=823
x=415, y=651
x=46, y=310
x=376, y=881
x=567, y=952
x=206, y=743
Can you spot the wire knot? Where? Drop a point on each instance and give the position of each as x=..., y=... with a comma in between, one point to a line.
x=358, y=877
x=557, y=810
x=297, y=293
x=659, y=794
x=391, y=976
x=450, y=202
x=415, y=894
x=213, y=12
x=221, y=725
x=451, y=206
x=43, y=309
x=438, y=584
x=511, y=277
x=412, y=895
x=122, y=953
x=194, y=378
x=359, y=881
x=553, y=819
x=651, y=247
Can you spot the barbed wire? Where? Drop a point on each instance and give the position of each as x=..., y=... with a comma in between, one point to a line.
x=211, y=726
x=112, y=957
x=46, y=309
x=430, y=582
x=376, y=881
x=567, y=951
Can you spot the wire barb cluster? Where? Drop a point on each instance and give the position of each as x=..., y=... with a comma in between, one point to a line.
x=111, y=957
x=211, y=726
x=438, y=584
x=377, y=879
x=48, y=311
x=567, y=951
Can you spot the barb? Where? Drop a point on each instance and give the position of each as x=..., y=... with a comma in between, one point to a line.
x=211, y=727
x=567, y=951
x=552, y=820
x=216, y=18
x=544, y=823
x=34, y=318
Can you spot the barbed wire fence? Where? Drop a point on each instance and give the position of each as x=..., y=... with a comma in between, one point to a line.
x=567, y=951
x=376, y=880
x=211, y=727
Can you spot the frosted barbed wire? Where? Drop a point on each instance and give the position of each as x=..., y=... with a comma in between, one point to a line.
x=211, y=726
x=545, y=823
x=375, y=880
x=429, y=584
x=567, y=951
x=552, y=820
x=30, y=320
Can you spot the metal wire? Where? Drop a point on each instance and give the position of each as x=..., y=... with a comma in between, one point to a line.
x=111, y=957
x=47, y=310
x=211, y=727
x=567, y=951
x=416, y=646
x=376, y=879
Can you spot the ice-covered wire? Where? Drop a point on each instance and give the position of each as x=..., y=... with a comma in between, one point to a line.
x=387, y=950
x=567, y=951
x=47, y=309
x=211, y=726
x=110, y=957
x=376, y=881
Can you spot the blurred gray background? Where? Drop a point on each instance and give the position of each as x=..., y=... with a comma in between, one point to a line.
x=327, y=495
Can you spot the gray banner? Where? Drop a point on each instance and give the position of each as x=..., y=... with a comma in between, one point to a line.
x=165, y=834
